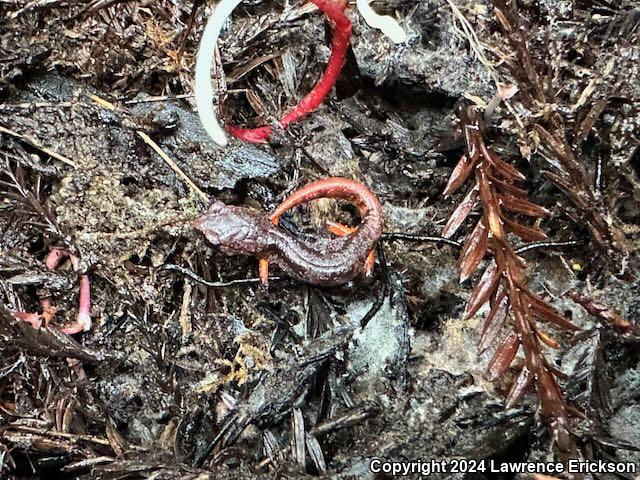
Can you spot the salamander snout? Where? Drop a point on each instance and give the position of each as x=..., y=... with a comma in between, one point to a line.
x=235, y=229
x=207, y=223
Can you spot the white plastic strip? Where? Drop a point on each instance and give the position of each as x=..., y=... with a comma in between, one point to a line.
x=203, y=90
x=386, y=24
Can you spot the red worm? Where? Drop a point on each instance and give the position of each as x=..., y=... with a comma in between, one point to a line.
x=334, y=10
x=83, y=319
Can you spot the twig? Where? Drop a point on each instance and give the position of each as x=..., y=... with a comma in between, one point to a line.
x=382, y=293
x=538, y=245
x=75, y=437
x=31, y=105
x=474, y=42
x=161, y=98
x=87, y=463
x=34, y=143
x=34, y=5
x=352, y=417
x=192, y=16
x=174, y=166
x=231, y=283
x=419, y=238
x=102, y=102
x=447, y=241
x=52, y=433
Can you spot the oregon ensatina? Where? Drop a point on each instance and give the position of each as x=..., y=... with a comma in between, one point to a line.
x=241, y=230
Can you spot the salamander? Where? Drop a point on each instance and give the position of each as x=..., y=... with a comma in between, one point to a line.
x=326, y=262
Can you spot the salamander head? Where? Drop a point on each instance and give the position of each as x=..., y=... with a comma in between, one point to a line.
x=237, y=230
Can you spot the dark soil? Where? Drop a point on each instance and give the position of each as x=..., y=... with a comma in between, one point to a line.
x=179, y=380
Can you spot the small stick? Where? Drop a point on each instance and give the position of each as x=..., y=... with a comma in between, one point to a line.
x=447, y=241
x=34, y=5
x=30, y=105
x=382, y=293
x=173, y=165
x=102, y=102
x=34, y=143
x=420, y=238
x=536, y=245
x=161, y=98
x=206, y=283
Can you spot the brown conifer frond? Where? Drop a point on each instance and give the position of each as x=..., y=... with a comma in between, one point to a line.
x=554, y=133
x=459, y=175
x=526, y=233
x=485, y=287
x=503, y=356
x=519, y=388
x=502, y=168
x=461, y=213
x=494, y=321
x=605, y=314
x=544, y=311
x=504, y=203
x=508, y=187
x=514, y=204
x=25, y=199
x=545, y=338
x=473, y=250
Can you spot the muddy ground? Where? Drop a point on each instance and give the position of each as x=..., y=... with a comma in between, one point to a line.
x=179, y=380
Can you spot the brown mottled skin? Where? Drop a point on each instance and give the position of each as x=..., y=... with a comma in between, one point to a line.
x=328, y=262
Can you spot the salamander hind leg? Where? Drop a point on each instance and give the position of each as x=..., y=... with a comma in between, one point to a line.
x=263, y=268
x=341, y=230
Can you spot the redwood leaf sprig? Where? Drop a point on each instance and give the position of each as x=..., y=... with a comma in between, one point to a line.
x=498, y=193
x=606, y=315
x=569, y=173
